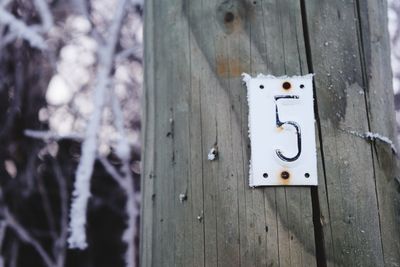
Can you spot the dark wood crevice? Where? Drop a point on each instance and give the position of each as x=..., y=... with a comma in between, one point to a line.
x=317, y=216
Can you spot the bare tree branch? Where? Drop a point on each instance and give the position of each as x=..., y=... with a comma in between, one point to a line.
x=47, y=207
x=123, y=152
x=112, y=171
x=21, y=29
x=14, y=253
x=51, y=136
x=135, y=52
x=24, y=235
x=81, y=192
x=5, y=3
x=60, y=248
x=45, y=14
x=3, y=226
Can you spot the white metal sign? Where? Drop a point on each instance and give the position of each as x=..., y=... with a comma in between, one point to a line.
x=282, y=133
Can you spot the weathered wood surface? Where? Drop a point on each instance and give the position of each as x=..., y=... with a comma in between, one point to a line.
x=197, y=212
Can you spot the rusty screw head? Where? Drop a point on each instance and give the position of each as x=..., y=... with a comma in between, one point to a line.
x=286, y=85
x=285, y=175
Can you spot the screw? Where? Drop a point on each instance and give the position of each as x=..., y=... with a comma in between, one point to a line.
x=285, y=175
x=286, y=85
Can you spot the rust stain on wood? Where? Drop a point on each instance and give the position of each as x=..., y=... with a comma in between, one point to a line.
x=229, y=67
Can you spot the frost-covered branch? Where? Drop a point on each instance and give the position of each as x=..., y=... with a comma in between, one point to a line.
x=21, y=29
x=123, y=148
x=24, y=235
x=8, y=38
x=132, y=211
x=60, y=247
x=3, y=226
x=81, y=192
x=112, y=171
x=131, y=208
x=51, y=136
x=45, y=14
x=123, y=152
x=135, y=52
x=125, y=181
x=376, y=136
x=4, y=3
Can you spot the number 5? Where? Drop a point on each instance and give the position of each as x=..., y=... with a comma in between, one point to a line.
x=292, y=123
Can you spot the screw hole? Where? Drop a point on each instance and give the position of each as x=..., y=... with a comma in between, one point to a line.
x=301, y=86
x=307, y=175
x=286, y=85
x=265, y=175
x=285, y=175
x=261, y=86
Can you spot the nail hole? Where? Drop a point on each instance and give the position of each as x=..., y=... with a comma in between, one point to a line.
x=301, y=86
x=261, y=86
x=307, y=175
x=285, y=175
x=265, y=175
x=229, y=17
x=286, y=85
x=254, y=2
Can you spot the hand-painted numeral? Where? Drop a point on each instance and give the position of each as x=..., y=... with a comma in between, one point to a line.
x=279, y=123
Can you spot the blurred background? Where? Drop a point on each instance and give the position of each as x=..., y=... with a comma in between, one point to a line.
x=65, y=67
x=70, y=86
x=394, y=31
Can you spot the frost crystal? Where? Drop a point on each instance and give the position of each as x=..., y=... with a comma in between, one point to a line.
x=212, y=155
x=182, y=197
x=375, y=136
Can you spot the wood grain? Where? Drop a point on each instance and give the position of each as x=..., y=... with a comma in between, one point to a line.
x=197, y=212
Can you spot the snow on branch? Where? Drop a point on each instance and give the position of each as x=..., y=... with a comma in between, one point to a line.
x=376, y=136
x=123, y=148
x=4, y=3
x=22, y=30
x=135, y=51
x=45, y=14
x=131, y=206
x=112, y=171
x=51, y=136
x=123, y=152
x=81, y=193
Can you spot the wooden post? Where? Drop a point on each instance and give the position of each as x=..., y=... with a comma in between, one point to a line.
x=198, y=212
